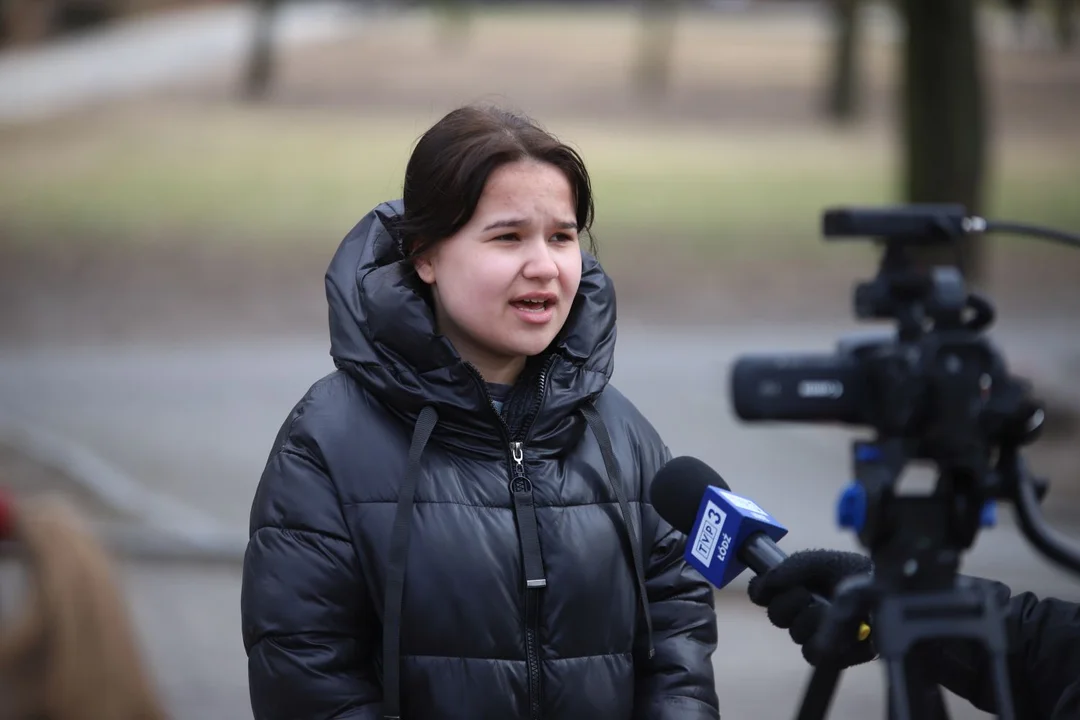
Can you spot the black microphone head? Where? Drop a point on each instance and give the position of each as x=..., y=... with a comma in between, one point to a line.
x=677, y=490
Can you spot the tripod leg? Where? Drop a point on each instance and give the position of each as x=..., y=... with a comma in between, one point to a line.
x=899, y=702
x=1002, y=689
x=819, y=693
x=912, y=696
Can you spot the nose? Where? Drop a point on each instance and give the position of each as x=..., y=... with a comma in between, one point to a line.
x=540, y=263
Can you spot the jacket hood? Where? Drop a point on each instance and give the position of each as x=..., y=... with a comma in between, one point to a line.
x=382, y=332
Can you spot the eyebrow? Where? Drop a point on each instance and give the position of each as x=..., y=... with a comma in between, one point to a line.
x=521, y=222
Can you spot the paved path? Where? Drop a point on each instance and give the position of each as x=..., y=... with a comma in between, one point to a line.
x=194, y=424
x=145, y=53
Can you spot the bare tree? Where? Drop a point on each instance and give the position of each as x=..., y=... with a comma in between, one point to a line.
x=945, y=118
x=653, y=72
x=841, y=101
x=24, y=22
x=1065, y=23
x=260, y=66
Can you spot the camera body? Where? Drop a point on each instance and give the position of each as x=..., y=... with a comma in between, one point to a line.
x=934, y=382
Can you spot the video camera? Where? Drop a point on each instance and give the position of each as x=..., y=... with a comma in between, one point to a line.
x=932, y=389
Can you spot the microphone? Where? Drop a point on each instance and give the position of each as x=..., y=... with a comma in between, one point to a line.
x=726, y=533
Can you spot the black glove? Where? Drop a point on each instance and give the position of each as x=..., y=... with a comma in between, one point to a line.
x=785, y=592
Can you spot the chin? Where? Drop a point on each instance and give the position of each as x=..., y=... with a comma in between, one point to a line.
x=530, y=346
x=531, y=349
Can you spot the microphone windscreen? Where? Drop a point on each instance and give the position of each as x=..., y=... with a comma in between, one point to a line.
x=678, y=488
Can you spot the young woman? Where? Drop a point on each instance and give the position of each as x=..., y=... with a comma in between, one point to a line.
x=455, y=523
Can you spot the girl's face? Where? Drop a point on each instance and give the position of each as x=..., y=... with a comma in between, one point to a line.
x=504, y=283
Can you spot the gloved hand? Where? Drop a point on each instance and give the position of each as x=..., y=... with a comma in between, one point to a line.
x=785, y=592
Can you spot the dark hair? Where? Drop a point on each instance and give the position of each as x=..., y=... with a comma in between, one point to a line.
x=451, y=163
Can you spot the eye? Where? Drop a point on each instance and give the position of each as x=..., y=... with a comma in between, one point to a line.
x=563, y=237
x=509, y=237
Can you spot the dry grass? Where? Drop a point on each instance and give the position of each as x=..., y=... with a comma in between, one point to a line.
x=222, y=174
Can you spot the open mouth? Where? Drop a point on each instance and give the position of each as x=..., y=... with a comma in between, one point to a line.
x=536, y=306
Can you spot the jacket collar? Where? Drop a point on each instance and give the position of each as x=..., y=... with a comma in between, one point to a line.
x=382, y=332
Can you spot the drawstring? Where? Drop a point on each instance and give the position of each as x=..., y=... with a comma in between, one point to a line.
x=395, y=575
x=592, y=418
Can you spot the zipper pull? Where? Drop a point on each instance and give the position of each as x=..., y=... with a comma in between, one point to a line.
x=525, y=512
x=519, y=483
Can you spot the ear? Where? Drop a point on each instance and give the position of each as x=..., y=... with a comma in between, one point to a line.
x=425, y=268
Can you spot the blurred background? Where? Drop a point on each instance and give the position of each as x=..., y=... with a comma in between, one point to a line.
x=175, y=175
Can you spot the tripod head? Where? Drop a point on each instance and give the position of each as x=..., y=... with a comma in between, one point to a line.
x=933, y=390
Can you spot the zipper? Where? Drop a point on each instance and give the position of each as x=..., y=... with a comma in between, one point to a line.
x=534, y=411
x=541, y=388
x=521, y=492
x=532, y=654
x=533, y=586
x=535, y=580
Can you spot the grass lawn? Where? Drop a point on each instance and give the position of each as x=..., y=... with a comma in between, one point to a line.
x=283, y=178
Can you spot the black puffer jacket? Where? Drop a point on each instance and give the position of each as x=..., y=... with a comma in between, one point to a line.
x=396, y=525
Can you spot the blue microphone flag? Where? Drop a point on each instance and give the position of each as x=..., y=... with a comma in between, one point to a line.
x=724, y=522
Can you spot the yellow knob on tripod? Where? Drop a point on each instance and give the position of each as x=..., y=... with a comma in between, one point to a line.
x=864, y=631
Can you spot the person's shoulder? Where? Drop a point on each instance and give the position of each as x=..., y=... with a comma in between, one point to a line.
x=640, y=449
x=620, y=414
x=612, y=403
x=333, y=406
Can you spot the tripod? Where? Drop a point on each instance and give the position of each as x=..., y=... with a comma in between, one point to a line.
x=915, y=593
x=949, y=399
x=936, y=390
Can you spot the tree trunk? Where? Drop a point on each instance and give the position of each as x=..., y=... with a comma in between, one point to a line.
x=27, y=22
x=945, y=118
x=841, y=102
x=657, y=45
x=260, y=68
x=1065, y=23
